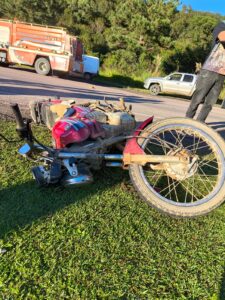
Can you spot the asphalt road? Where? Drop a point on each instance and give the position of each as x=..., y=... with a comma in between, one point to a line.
x=21, y=86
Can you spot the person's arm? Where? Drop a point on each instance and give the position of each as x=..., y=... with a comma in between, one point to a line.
x=221, y=36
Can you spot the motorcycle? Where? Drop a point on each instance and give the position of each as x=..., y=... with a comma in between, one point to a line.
x=176, y=165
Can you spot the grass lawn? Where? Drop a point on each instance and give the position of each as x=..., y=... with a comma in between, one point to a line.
x=100, y=241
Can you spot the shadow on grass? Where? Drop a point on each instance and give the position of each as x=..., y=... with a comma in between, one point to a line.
x=23, y=204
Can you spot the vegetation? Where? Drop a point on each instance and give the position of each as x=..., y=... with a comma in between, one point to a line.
x=100, y=241
x=132, y=37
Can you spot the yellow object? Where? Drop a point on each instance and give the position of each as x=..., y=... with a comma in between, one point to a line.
x=59, y=109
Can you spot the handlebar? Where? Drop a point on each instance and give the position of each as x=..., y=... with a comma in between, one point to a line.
x=20, y=125
x=24, y=130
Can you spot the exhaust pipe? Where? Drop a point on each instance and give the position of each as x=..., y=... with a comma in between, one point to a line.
x=84, y=177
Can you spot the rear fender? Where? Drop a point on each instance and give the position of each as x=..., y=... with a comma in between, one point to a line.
x=132, y=146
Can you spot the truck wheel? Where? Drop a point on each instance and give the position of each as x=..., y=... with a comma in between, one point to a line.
x=42, y=66
x=87, y=76
x=5, y=65
x=154, y=89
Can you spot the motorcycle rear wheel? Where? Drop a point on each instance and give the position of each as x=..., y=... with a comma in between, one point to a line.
x=179, y=190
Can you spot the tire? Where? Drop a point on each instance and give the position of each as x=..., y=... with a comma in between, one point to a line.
x=164, y=186
x=87, y=76
x=42, y=66
x=62, y=75
x=5, y=65
x=154, y=89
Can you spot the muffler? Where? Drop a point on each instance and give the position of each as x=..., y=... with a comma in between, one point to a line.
x=83, y=177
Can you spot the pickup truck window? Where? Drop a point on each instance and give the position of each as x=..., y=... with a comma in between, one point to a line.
x=176, y=77
x=188, y=78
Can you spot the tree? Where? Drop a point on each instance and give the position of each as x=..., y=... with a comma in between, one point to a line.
x=130, y=36
x=141, y=28
x=191, y=35
x=10, y=9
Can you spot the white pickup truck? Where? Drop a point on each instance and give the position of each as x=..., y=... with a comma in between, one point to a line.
x=175, y=83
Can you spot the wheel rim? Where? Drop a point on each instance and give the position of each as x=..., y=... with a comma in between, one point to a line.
x=43, y=66
x=154, y=90
x=199, y=183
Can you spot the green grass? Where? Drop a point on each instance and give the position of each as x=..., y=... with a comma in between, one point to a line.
x=112, y=77
x=101, y=241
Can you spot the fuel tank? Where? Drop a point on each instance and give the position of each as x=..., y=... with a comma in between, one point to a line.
x=68, y=131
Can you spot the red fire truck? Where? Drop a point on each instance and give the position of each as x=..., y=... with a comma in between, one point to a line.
x=45, y=48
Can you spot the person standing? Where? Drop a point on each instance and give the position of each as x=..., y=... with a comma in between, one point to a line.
x=210, y=78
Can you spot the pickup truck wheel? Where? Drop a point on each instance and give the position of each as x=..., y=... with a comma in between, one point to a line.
x=42, y=66
x=154, y=89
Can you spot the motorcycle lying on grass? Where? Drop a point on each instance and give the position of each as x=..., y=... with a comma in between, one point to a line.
x=176, y=165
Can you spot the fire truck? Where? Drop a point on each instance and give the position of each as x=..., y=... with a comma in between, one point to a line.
x=46, y=48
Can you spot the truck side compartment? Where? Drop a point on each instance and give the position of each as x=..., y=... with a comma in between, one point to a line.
x=46, y=48
x=25, y=43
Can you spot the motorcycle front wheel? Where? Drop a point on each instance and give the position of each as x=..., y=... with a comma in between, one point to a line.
x=178, y=189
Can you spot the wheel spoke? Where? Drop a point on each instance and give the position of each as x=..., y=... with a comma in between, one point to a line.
x=168, y=180
x=197, y=144
x=174, y=188
x=206, y=164
x=192, y=199
x=160, y=175
x=176, y=139
x=202, y=147
x=203, y=163
x=208, y=179
x=158, y=145
x=152, y=173
x=203, y=181
x=166, y=143
x=190, y=192
x=186, y=193
x=150, y=152
x=167, y=187
x=179, y=139
x=194, y=146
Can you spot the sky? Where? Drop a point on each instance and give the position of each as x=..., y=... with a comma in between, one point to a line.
x=214, y=6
